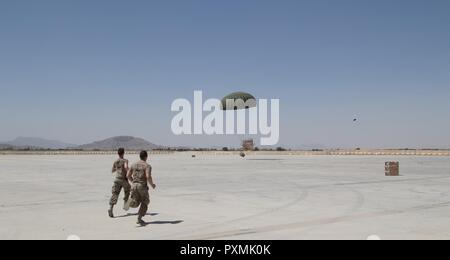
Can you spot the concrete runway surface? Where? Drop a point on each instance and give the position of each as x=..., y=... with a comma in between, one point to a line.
x=227, y=197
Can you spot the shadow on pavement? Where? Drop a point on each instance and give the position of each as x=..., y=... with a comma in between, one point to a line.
x=136, y=214
x=176, y=222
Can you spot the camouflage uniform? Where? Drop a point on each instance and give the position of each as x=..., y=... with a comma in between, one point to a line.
x=139, y=190
x=120, y=182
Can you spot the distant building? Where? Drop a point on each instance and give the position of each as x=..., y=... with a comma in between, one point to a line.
x=248, y=145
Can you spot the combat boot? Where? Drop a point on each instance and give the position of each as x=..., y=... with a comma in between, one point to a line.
x=126, y=205
x=141, y=222
x=111, y=212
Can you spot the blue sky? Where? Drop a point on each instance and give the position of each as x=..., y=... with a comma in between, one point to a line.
x=84, y=70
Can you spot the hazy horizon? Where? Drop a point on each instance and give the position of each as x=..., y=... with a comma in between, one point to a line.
x=231, y=144
x=83, y=71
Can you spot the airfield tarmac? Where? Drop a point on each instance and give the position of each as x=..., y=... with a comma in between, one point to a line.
x=226, y=197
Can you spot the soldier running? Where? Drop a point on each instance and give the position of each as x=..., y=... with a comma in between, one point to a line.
x=140, y=174
x=120, y=169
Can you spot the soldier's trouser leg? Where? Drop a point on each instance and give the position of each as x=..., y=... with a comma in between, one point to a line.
x=143, y=210
x=117, y=187
x=145, y=201
x=134, y=197
x=127, y=190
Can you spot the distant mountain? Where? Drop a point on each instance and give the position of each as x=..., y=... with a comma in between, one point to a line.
x=38, y=143
x=114, y=143
x=6, y=147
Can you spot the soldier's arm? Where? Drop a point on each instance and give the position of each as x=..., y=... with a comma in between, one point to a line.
x=113, y=168
x=126, y=166
x=148, y=172
x=130, y=175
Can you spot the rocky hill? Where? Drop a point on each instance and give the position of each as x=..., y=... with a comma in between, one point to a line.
x=34, y=142
x=114, y=143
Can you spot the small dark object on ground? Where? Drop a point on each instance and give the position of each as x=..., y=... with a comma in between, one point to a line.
x=392, y=168
x=242, y=155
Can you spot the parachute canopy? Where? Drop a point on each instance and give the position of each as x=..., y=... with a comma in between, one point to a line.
x=238, y=101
